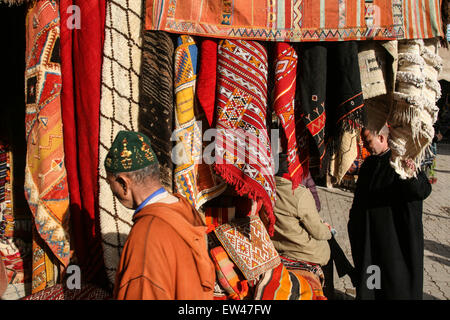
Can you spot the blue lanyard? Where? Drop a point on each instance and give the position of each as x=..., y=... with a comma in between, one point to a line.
x=150, y=197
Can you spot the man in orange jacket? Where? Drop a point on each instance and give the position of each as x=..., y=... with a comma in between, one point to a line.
x=165, y=255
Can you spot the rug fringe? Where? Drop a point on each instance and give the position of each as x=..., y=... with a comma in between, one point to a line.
x=410, y=78
x=297, y=179
x=432, y=59
x=412, y=58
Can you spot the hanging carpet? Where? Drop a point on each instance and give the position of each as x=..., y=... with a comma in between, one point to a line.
x=194, y=178
x=119, y=110
x=344, y=102
x=298, y=20
x=284, y=101
x=330, y=95
x=46, y=187
x=81, y=62
x=243, y=150
x=207, y=77
x=311, y=88
x=156, y=99
x=343, y=158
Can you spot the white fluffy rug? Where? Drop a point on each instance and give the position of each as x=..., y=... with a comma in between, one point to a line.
x=118, y=111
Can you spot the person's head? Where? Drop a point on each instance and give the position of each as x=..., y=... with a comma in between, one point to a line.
x=376, y=142
x=131, y=167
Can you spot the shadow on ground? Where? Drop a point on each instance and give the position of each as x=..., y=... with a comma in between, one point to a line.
x=427, y=296
x=339, y=295
x=446, y=209
x=437, y=248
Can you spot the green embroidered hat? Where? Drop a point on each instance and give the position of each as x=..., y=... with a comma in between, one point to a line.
x=130, y=151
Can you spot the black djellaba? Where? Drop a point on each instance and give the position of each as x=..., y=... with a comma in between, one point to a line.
x=386, y=232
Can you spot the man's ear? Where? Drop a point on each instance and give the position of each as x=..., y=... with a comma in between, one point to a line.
x=123, y=181
x=381, y=138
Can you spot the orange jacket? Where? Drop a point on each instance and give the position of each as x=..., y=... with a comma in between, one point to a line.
x=165, y=256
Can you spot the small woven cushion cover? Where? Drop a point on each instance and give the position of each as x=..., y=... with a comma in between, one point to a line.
x=248, y=244
x=228, y=274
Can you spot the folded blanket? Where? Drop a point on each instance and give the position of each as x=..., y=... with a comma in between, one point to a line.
x=283, y=284
x=228, y=275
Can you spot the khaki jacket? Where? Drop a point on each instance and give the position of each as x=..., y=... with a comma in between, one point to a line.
x=299, y=232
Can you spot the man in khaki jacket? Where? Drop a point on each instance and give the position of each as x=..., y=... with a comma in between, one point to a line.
x=299, y=234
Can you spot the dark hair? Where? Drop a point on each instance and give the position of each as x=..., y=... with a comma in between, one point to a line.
x=383, y=131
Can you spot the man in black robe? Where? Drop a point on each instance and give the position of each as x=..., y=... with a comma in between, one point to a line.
x=385, y=226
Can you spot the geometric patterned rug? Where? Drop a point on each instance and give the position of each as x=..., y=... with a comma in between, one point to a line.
x=298, y=20
x=119, y=108
x=46, y=187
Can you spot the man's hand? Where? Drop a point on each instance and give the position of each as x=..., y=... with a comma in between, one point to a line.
x=410, y=164
x=332, y=230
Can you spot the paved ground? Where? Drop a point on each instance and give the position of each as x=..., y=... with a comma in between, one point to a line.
x=336, y=204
